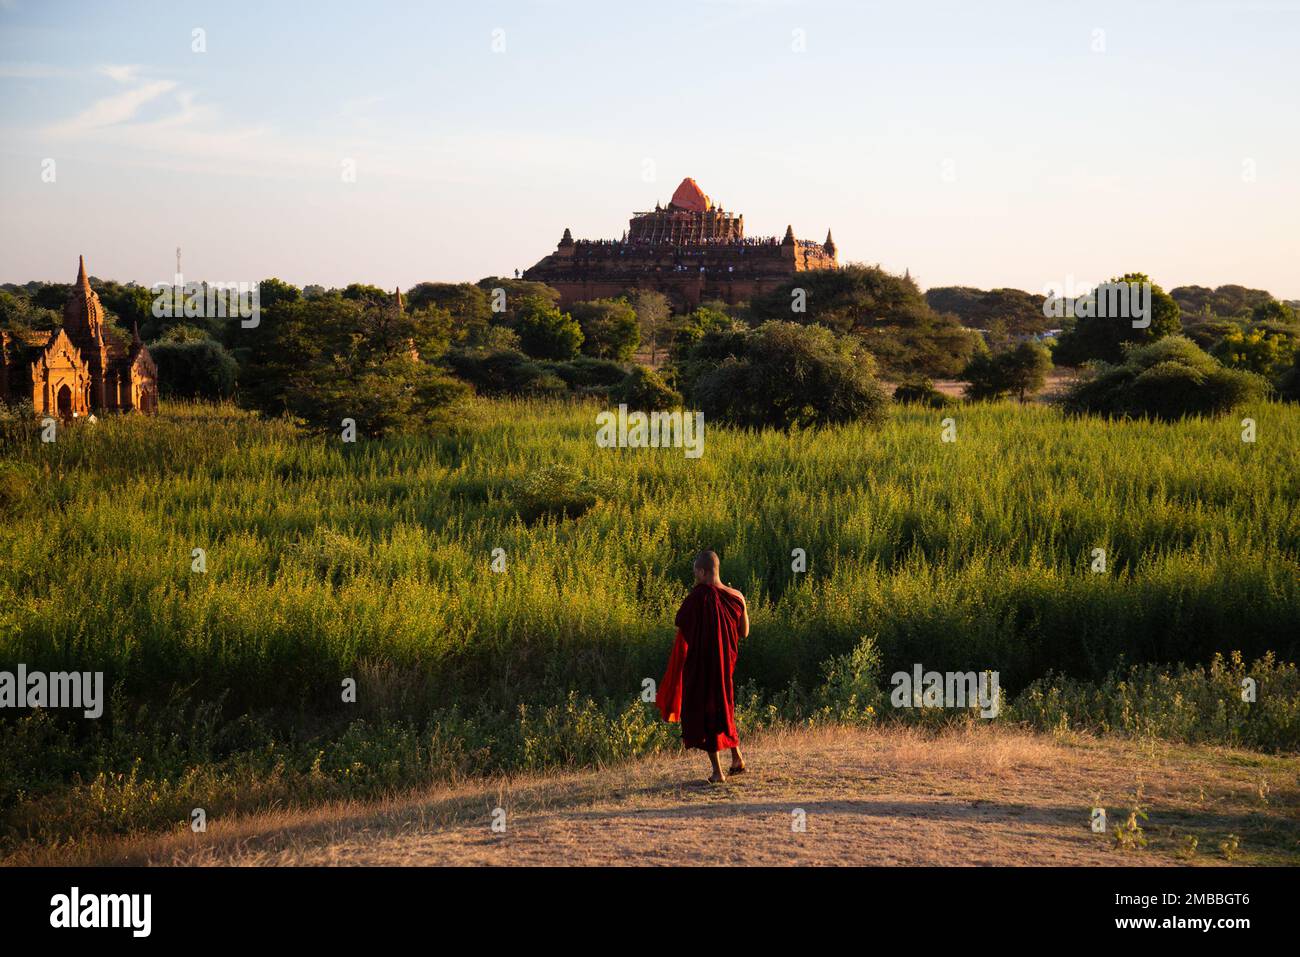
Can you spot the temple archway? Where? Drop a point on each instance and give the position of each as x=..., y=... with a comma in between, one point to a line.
x=63, y=401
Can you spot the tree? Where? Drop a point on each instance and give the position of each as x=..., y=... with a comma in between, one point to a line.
x=194, y=369
x=363, y=292
x=1262, y=349
x=644, y=389
x=1020, y=371
x=504, y=373
x=652, y=314
x=609, y=328
x=1019, y=313
x=467, y=306
x=1104, y=337
x=887, y=312
x=785, y=375
x=1273, y=311
x=333, y=357
x=545, y=332
x=701, y=321
x=381, y=394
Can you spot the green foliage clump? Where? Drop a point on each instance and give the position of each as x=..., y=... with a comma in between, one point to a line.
x=545, y=332
x=504, y=373
x=784, y=375
x=1098, y=338
x=587, y=375
x=1020, y=371
x=920, y=390
x=644, y=390
x=17, y=484
x=609, y=328
x=1263, y=349
x=556, y=491
x=355, y=357
x=194, y=368
x=1167, y=380
x=887, y=312
x=1227, y=702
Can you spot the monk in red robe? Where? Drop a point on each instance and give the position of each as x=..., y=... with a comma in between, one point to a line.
x=712, y=620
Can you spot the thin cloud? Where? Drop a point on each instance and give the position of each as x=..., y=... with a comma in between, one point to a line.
x=122, y=73
x=111, y=110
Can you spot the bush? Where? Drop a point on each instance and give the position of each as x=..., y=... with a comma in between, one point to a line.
x=381, y=397
x=644, y=389
x=609, y=328
x=920, y=390
x=783, y=375
x=1104, y=338
x=1021, y=372
x=1264, y=349
x=191, y=369
x=1192, y=704
x=545, y=332
x=887, y=312
x=1288, y=383
x=586, y=373
x=1167, y=380
x=504, y=373
x=557, y=491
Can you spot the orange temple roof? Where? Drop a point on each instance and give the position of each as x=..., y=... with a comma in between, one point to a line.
x=690, y=196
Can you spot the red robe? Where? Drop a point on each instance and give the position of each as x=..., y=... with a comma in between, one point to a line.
x=669, y=696
x=710, y=621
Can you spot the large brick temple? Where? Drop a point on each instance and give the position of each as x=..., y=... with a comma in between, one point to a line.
x=692, y=250
x=81, y=368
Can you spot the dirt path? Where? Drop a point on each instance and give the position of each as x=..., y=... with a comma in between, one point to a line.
x=984, y=796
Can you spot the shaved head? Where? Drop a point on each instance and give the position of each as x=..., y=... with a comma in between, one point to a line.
x=707, y=562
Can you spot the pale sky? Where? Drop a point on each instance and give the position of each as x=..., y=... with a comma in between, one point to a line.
x=983, y=144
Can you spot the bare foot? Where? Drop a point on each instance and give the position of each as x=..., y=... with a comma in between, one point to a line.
x=717, y=777
x=736, y=769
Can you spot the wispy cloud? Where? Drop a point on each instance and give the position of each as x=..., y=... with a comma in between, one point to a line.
x=122, y=73
x=111, y=110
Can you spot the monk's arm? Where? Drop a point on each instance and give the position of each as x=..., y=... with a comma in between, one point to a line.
x=744, y=609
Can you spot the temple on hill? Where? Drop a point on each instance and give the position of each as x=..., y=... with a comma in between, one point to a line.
x=692, y=250
x=82, y=367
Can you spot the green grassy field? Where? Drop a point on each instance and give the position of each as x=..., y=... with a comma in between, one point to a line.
x=374, y=561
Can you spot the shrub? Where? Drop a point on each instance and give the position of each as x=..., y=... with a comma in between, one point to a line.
x=1021, y=371
x=645, y=390
x=1264, y=349
x=609, y=328
x=1168, y=379
x=1104, y=338
x=193, y=369
x=887, y=312
x=504, y=373
x=783, y=375
x=381, y=397
x=920, y=390
x=587, y=373
x=557, y=491
x=545, y=332
x=1186, y=703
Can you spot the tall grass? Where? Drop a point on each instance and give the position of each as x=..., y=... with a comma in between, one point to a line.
x=374, y=561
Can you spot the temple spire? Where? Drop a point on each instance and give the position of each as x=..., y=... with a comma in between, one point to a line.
x=789, y=236
x=830, y=243
x=82, y=281
x=398, y=291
